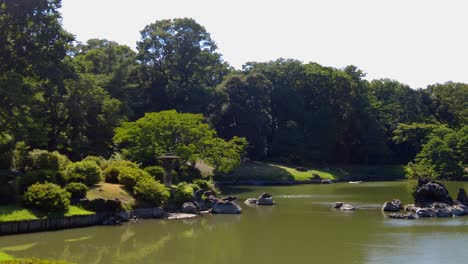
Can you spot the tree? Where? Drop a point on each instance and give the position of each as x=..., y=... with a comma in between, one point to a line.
x=33, y=46
x=179, y=66
x=248, y=111
x=185, y=135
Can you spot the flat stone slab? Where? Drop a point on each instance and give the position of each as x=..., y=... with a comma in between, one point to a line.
x=174, y=216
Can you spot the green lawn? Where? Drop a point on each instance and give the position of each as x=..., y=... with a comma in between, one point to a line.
x=273, y=171
x=5, y=257
x=18, y=213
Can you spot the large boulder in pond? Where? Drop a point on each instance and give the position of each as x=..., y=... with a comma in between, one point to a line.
x=461, y=197
x=225, y=208
x=425, y=212
x=347, y=207
x=429, y=192
x=189, y=208
x=265, y=199
x=393, y=206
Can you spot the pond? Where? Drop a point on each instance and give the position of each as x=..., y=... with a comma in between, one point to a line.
x=300, y=228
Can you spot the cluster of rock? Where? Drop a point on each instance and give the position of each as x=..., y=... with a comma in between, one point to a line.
x=431, y=199
x=206, y=201
x=263, y=199
x=343, y=206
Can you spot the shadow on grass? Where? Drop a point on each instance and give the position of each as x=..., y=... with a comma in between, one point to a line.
x=258, y=171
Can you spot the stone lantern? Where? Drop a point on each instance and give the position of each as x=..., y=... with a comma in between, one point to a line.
x=168, y=164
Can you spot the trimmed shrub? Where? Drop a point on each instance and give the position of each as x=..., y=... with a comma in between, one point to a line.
x=156, y=171
x=111, y=173
x=77, y=190
x=36, y=176
x=100, y=161
x=207, y=186
x=43, y=160
x=183, y=193
x=46, y=197
x=151, y=191
x=63, y=160
x=130, y=176
x=187, y=173
x=86, y=172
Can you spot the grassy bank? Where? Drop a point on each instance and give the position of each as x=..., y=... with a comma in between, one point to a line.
x=279, y=172
x=112, y=191
x=18, y=213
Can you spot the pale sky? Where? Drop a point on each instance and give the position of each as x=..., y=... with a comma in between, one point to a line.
x=417, y=42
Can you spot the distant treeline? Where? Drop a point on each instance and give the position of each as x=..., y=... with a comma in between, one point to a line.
x=58, y=94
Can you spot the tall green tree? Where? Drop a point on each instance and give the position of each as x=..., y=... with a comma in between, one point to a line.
x=180, y=67
x=248, y=111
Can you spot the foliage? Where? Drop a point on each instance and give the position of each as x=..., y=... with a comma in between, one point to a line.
x=179, y=66
x=130, y=176
x=77, y=190
x=444, y=154
x=43, y=160
x=151, y=191
x=36, y=176
x=19, y=159
x=416, y=171
x=100, y=161
x=87, y=172
x=183, y=192
x=206, y=186
x=111, y=173
x=155, y=171
x=185, y=135
x=6, y=149
x=46, y=197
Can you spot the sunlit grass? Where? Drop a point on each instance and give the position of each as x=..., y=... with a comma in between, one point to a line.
x=19, y=213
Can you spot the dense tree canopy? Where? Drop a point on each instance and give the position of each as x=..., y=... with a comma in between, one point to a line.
x=59, y=95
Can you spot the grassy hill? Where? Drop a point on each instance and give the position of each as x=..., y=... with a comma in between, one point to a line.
x=280, y=172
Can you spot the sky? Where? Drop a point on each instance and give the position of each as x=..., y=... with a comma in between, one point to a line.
x=417, y=42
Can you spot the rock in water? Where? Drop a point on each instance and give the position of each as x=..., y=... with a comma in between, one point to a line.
x=251, y=201
x=347, y=207
x=429, y=192
x=443, y=212
x=265, y=199
x=462, y=197
x=458, y=210
x=393, y=206
x=189, y=208
x=337, y=205
x=226, y=208
x=425, y=212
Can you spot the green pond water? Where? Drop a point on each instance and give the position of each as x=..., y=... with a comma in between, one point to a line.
x=300, y=228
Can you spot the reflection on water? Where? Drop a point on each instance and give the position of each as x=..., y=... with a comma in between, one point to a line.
x=300, y=228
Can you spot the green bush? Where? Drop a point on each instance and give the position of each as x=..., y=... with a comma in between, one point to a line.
x=156, y=171
x=46, y=197
x=77, y=190
x=6, y=149
x=130, y=176
x=86, y=172
x=111, y=173
x=43, y=160
x=151, y=191
x=183, y=192
x=63, y=160
x=206, y=186
x=100, y=161
x=36, y=176
x=187, y=173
